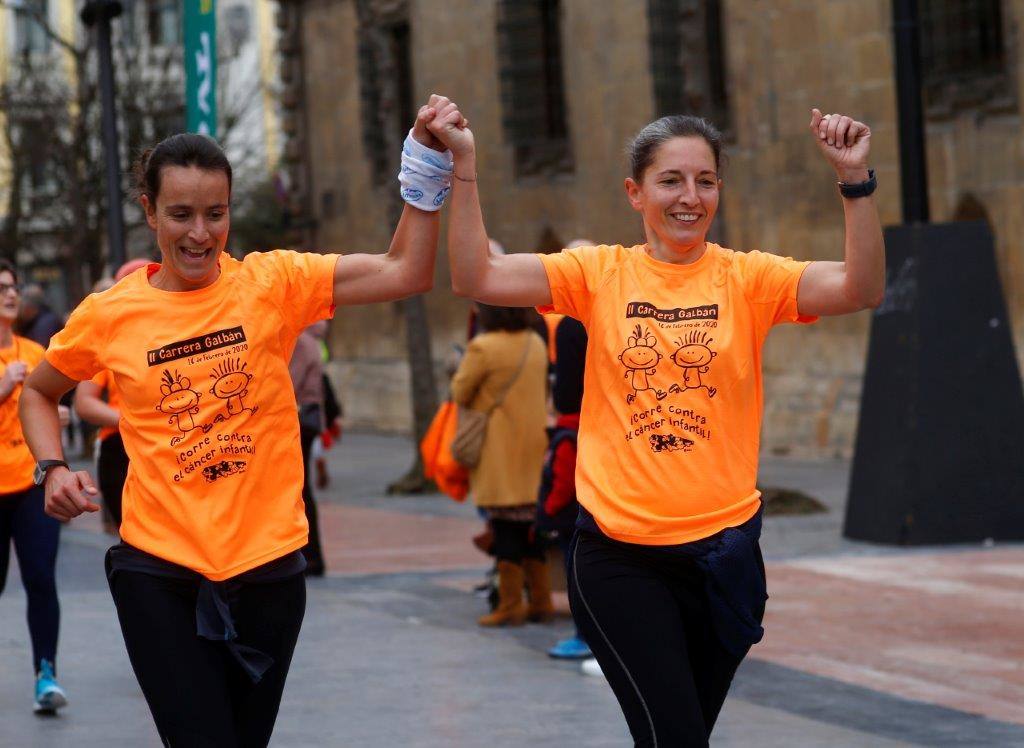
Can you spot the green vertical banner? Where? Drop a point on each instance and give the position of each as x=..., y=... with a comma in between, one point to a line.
x=201, y=66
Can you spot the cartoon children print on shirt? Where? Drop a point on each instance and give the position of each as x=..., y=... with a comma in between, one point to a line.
x=694, y=357
x=231, y=383
x=640, y=359
x=180, y=402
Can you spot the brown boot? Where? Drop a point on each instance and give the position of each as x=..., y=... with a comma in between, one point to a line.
x=538, y=587
x=510, y=611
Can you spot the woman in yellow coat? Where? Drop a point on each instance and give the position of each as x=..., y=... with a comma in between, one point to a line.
x=504, y=372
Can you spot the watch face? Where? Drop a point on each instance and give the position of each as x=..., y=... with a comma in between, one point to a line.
x=42, y=468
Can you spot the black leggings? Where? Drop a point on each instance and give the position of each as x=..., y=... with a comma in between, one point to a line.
x=198, y=693
x=35, y=537
x=645, y=614
x=111, y=470
x=312, y=550
x=514, y=541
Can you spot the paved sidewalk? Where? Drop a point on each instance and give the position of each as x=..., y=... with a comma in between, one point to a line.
x=865, y=646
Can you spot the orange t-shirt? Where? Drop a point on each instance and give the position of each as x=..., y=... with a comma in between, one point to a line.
x=669, y=429
x=105, y=381
x=16, y=461
x=208, y=415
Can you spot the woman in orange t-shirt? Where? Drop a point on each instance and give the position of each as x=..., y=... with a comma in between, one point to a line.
x=208, y=580
x=22, y=519
x=667, y=583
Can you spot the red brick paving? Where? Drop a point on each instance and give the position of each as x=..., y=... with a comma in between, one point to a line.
x=358, y=540
x=943, y=628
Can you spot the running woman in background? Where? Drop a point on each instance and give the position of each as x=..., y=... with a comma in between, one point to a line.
x=667, y=583
x=22, y=519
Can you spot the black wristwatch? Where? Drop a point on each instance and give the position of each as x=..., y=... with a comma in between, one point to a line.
x=42, y=467
x=859, y=189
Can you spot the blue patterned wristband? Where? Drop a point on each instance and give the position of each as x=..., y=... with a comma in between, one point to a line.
x=425, y=176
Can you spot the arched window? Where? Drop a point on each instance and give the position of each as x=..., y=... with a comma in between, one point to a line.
x=532, y=87
x=970, y=208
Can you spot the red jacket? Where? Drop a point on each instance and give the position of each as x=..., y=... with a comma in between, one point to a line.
x=563, y=467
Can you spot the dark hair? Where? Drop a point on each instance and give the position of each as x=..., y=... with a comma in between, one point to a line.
x=183, y=149
x=642, y=148
x=8, y=267
x=511, y=318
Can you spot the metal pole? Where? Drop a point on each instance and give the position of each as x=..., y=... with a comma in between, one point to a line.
x=99, y=13
x=913, y=164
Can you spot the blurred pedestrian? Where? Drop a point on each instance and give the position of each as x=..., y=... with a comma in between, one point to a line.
x=22, y=519
x=557, y=504
x=307, y=371
x=36, y=320
x=667, y=582
x=332, y=410
x=503, y=373
x=208, y=580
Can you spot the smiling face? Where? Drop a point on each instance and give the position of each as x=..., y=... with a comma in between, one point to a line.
x=9, y=299
x=640, y=357
x=191, y=221
x=178, y=402
x=677, y=195
x=231, y=384
x=693, y=355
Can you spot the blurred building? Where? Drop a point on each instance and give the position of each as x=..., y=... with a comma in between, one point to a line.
x=35, y=36
x=554, y=88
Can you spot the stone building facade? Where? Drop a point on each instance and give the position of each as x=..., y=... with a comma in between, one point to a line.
x=588, y=75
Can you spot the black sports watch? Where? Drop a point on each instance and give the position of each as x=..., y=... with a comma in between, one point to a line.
x=42, y=467
x=859, y=189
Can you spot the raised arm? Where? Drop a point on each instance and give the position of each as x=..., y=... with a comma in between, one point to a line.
x=500, y=280
x=832, y=288
x=407, y=268
x=68, y=493
x=90, y=406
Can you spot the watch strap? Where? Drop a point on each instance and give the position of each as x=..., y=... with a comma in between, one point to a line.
x=43, y=467
x=859, y=189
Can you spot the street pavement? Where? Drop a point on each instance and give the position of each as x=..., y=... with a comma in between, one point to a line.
x=865, y=645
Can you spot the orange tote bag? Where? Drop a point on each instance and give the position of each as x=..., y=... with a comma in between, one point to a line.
x=438, y=463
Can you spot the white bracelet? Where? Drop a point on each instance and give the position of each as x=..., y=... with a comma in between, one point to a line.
x=425, y=176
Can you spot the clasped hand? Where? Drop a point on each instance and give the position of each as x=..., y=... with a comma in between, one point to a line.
x=441, y=121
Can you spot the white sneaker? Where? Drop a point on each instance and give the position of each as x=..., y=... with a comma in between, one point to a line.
x=590, y=667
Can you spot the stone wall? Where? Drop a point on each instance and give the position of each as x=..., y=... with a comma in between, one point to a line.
x=782, y=58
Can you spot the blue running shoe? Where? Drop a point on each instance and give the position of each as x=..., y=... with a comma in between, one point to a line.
x=49, y=695
x=573, y=648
